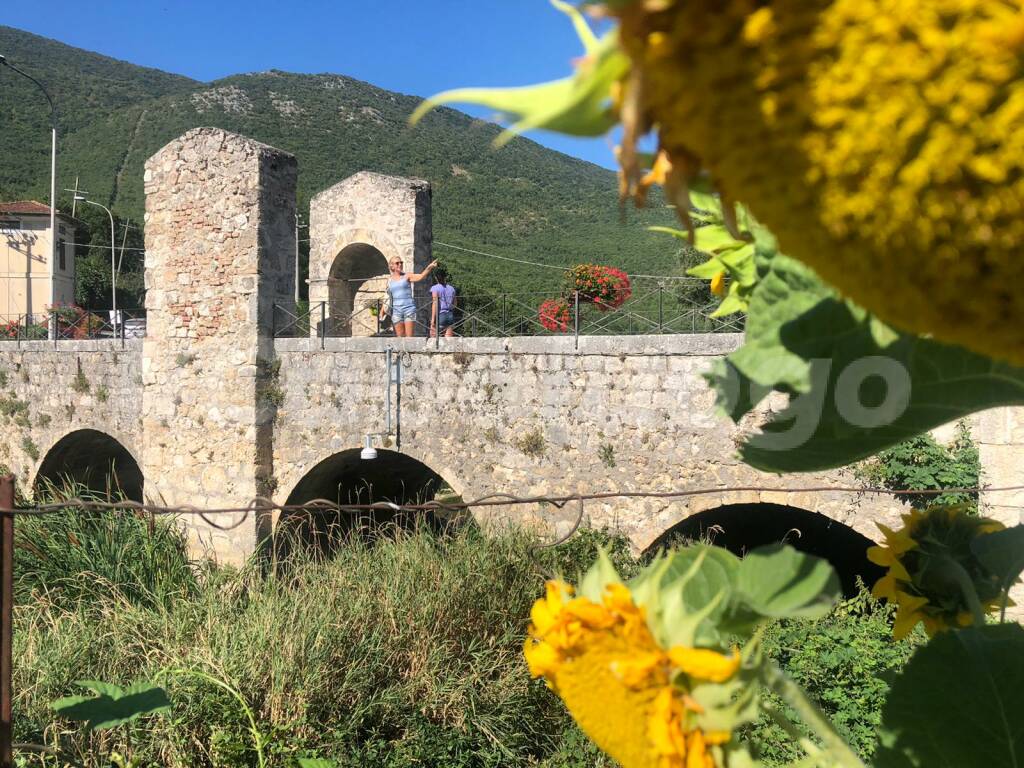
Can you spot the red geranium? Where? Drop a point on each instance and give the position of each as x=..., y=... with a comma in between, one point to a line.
x=605, y=287
x=554, y=315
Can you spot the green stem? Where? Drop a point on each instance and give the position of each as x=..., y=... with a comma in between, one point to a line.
x=810, y=714
x=257, y=737
x=808, y=746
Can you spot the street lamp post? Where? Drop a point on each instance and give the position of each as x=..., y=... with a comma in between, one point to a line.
x=113, y=262
x=53, y=188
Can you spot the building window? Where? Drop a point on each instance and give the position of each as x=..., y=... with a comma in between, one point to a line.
x=10, y=225
x=61, y=249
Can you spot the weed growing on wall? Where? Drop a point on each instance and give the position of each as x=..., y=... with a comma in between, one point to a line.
x=80, y=383
x=30, y=448
x=921, y=462
x=532, y=443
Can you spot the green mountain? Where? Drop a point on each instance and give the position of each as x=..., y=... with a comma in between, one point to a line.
x=523, y=201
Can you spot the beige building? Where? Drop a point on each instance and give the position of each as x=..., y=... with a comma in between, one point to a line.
x=25, y=248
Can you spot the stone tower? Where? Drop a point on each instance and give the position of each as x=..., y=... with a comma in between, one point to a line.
x=220, y=229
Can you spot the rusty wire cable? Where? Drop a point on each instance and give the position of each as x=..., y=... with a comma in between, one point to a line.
x=262, y=505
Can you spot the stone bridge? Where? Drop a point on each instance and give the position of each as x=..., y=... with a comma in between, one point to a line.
x=209, y=409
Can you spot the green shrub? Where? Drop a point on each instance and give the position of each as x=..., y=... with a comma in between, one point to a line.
x=843, y=662
x=922, y=463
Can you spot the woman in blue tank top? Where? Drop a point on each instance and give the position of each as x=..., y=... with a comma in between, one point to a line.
x=403, y=309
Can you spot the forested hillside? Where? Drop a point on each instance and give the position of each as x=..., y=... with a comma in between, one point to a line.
x=523, y=201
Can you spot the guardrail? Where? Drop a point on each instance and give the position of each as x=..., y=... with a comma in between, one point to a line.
x=657, y=310
x=73, y=324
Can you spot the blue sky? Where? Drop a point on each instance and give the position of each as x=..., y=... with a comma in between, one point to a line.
x=418, y=47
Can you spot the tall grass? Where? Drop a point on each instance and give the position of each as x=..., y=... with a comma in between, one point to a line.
x=406, y=651
x=401, y=650
x=72, y=555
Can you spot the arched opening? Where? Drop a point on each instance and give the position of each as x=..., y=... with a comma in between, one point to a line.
x=93, y=460
x=345, y=478
x=349, y=311
x=742, y=527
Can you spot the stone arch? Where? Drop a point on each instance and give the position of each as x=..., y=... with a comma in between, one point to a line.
x=742, y=527
x=95, y=460
x=344, y=477
x=356, y=227
x=361, y=256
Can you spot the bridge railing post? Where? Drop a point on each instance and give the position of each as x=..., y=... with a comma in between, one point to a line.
x=661, y=307
x=576, y=317
x=323, y=325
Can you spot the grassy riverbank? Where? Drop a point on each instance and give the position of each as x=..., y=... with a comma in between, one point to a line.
x=400, y=653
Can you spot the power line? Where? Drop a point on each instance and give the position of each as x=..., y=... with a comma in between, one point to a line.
x=552, y=266
x=107, y=247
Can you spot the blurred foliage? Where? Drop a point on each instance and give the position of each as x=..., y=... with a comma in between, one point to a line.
x=844, y=662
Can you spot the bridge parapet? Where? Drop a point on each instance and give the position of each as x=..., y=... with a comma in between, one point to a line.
x=539, y=416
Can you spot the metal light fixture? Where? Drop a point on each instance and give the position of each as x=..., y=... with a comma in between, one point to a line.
x=369, y=453
x=114, y=317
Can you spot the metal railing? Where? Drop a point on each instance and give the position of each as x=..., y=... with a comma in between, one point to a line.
x=654, y=310
x=73, y=324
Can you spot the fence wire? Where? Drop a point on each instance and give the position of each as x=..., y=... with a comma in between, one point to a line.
x=263, y=505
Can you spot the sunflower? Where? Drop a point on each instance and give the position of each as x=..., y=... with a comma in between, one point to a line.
x=634, y=698
x=882, y=141
x=920, y=557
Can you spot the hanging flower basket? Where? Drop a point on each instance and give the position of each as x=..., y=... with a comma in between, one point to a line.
x=604, y=287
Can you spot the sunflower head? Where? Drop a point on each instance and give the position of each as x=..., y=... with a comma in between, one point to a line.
x=647, y=701
x=927, y=559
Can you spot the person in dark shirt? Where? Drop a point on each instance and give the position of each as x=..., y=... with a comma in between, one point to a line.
x=442, y=309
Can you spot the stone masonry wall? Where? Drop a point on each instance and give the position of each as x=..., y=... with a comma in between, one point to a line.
x=534, y=416
x=47, y=392
x=1000, y=437
x=219, y=247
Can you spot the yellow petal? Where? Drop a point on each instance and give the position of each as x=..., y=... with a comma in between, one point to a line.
x=696, y=752
x=908, y=614
x=718, y=284
x=541, y=659
x=990, y=526
x=705, y=664
x=637, y=669
x=885, y=588
x=881, y=556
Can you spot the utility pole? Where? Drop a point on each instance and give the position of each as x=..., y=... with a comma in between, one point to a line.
x=79, y=195
x=74, y=199
x=296, y=260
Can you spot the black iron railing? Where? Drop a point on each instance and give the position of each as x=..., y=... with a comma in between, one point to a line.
x=659, y=309
x=73, y=324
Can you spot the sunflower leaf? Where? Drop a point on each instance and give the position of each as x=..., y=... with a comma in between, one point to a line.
x=111, y=705
x=805, y=341
x=578, y=105
x=1002, y=552
x=777, y=581
x=959, y=703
